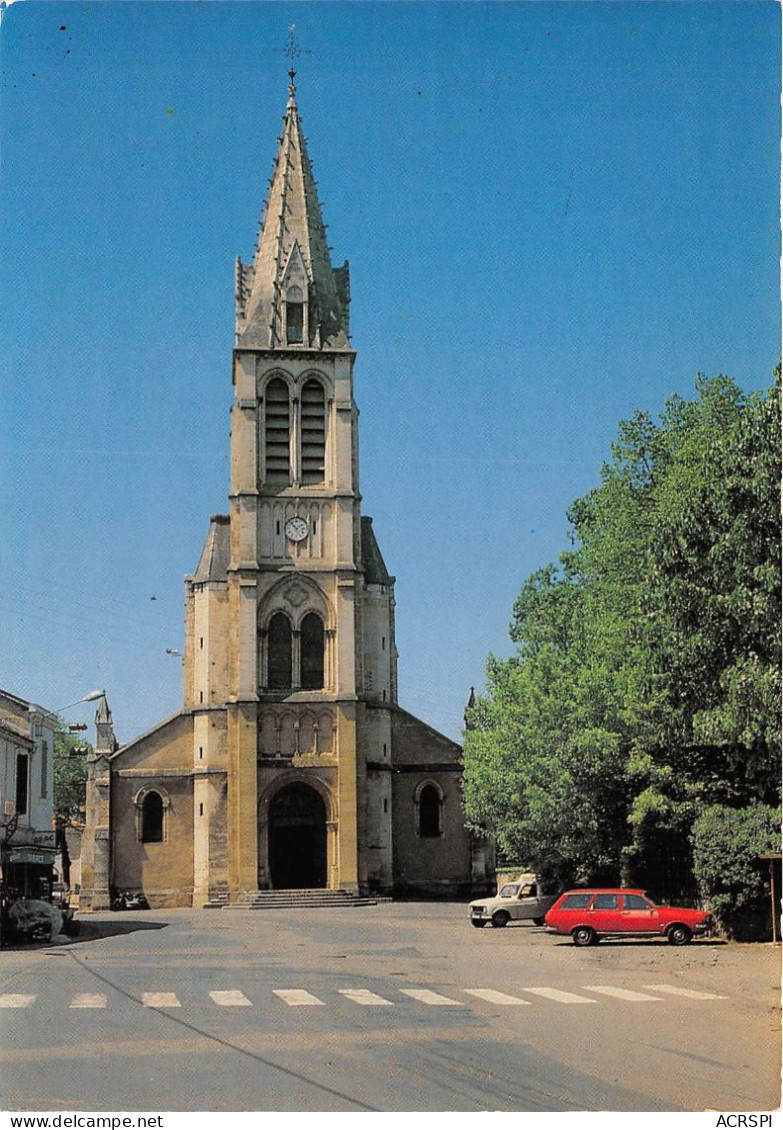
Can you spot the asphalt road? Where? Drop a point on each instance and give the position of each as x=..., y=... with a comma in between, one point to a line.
x=398, y=1007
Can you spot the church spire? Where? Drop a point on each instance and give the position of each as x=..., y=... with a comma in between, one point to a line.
x=290, y=296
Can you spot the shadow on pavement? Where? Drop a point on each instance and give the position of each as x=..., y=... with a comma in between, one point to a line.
x=632, y=943
x=89, y=932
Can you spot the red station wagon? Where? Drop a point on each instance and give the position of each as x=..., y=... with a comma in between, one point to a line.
x=589, y=915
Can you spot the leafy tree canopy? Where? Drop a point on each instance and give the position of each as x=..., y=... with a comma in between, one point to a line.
x=70, y=775
x=646, y=679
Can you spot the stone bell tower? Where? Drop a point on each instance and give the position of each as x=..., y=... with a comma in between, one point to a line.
x=291, y=766
x=275, y=643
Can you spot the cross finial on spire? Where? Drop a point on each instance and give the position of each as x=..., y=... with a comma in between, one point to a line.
x=293, y=51
x=292, y=48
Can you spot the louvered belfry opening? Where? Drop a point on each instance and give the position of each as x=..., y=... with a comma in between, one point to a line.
x=312, y=646
x=294, y=316
x=280, y=652
x=277, y=463
x=313, y=433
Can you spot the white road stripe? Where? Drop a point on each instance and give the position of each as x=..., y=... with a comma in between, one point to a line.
x=494, y=997
x=620, y=994
x=160, y=1000
x=426, y=996
x=16, y=1000
x=230, y=998
x=558, y=995
x=297, y=996
x=692, y=994
x=363, y=996
x=89, y=1000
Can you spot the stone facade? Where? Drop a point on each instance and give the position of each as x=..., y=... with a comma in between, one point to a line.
x=291, y=764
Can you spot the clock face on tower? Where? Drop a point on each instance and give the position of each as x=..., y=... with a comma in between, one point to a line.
x=296, y=529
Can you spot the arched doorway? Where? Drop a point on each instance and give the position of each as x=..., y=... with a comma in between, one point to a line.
x=297, y=838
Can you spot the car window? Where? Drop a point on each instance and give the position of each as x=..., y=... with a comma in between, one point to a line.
x=635, y=902
x=576, y=902
x=509, y=891
x=528, y=890
x=606, y=902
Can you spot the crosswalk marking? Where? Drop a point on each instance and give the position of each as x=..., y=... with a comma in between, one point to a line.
x=363, y=997
x=235, y=998
x=230, y=998
x=89, y=1000
x=558, y=995
x=160, y=1000
x=297, y=996
x=620, y=994
x=16, y=1000
x=495, y=997
x=692, y=994
x=426, y=996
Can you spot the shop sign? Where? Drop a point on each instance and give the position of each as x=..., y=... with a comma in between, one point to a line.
x=17, y=856
x=28, y=837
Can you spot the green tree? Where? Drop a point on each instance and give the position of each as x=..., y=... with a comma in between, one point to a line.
x=727, y=844
x=70, y=776
x=645, y=682
x=712, y=615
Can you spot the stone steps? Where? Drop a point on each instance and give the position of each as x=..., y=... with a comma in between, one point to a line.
x=218, y=898
x=294, y=899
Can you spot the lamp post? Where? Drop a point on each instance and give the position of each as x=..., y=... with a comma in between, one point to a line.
x=43, y=720
x=91, y=696
x=38, y=716
x=28, y=841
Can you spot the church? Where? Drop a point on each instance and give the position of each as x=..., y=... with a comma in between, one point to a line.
x=291, y=765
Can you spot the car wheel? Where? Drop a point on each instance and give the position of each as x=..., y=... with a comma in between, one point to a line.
x=584, y=936
x=538, y=921
x=478, y=923
x=679, y=936
x=501, y=918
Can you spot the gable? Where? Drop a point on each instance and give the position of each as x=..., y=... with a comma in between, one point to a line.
x=415, y=742
x=168, y=746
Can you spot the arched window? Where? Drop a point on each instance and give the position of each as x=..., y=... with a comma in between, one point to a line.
x=312, y=649
x=294, y=316
x=313, y=433
x=429, y=812
x=152, y=819
x=312, y=652
x=279, y=653
x=277, y=429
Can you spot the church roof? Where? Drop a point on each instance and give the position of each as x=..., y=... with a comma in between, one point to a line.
x=373, y=565
x=292, y=251
x=213, y=563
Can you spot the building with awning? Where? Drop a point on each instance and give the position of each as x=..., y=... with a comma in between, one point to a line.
x=27, y=837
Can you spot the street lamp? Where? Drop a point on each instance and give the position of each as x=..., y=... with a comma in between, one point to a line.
x=91, y=696
x=39, y=715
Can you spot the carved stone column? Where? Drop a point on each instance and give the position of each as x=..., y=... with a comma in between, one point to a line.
x=329, y=658
x=332, y=856
x=263, y=658
x=296, y=659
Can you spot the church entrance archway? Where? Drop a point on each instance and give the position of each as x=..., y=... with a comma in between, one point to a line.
x=297, y=838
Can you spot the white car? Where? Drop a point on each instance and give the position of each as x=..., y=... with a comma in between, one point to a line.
x=519, y=901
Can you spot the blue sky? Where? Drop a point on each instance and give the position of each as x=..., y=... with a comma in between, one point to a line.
x=555, y=214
